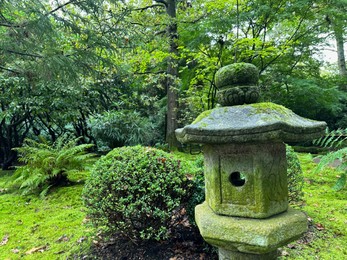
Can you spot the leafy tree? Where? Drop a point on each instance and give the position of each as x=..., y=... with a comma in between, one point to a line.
x=50, y=52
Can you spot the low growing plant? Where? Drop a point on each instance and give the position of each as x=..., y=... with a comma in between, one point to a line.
x=295, y=176
x=48, y=165
x=335, y=139
x=134, y=191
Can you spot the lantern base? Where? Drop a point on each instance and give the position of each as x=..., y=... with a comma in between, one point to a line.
x=247, y=235
x=232, y=255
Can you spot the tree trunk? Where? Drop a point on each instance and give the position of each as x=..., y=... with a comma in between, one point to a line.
x=172, y=75
x=341, y=61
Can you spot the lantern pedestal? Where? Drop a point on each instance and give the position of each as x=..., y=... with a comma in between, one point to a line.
x=254, y=238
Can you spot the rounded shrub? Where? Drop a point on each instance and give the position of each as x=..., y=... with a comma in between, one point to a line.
x=134, y=191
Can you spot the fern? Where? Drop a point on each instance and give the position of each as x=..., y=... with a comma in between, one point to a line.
x=48, y=165
x=334, y=140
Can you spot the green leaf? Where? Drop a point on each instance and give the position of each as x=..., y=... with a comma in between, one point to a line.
x=341, y=182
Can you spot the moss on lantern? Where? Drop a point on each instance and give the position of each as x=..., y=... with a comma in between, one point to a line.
x=237, y=74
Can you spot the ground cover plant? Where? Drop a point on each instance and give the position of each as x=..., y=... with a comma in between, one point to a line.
x=326, y=210
x=35, y=228
x=54, y=227
x=49, y=164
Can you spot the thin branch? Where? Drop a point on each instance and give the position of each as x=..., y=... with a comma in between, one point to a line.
x=60, y=7
x=162, y=2
x=9, y=25
x=196, y=20
x=13, y=71
x=24, y=54
x=150, y=72
x=147, y=7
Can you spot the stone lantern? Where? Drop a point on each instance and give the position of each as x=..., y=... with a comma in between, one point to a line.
x=246, y=213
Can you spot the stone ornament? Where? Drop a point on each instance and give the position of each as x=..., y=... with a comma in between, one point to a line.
x=246, y=213
x=237, y=84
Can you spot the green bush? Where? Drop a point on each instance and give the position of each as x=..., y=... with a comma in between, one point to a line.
x=134, y=191
x=113, y=129
x=48, y=165
x=295, y=176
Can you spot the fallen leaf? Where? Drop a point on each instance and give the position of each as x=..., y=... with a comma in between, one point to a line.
x=4, y=240
x=15, y=251
x=202, y=256
x=85, y=220
x=63, y=238
x=319, y=226
x=82, y=239
x=36, y=249
x=284, y=253
x=291, y=246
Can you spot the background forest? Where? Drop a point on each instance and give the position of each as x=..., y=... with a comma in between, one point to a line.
x=130, y=72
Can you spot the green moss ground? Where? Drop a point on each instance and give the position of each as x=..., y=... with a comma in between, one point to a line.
x=54, y=224
x=327, y=212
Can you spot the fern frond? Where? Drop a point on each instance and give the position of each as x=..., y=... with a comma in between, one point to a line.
x=49, y=164
x=332, y=139
x=331, y=157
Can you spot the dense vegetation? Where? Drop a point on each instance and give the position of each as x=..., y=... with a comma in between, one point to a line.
x=134, y=191
x=95, y=69
x=78, y=77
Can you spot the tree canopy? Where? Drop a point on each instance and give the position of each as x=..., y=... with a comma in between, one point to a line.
x=74, y=66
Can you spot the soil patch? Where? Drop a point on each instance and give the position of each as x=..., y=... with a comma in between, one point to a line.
x=186, y=243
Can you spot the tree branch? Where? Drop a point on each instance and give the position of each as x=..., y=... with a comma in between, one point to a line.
x=59, y=7
x=13, y=71
x=147, y=7
x=24, y=54
x=9, y=25
x=161, y=2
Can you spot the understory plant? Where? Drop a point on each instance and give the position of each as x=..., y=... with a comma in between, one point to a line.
x=295, y=177
x=47, y=165
x=335, y=140
x=135, y=191
x=119, y=128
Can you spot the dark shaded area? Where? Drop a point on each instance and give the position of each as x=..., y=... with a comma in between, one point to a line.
x=185, y=243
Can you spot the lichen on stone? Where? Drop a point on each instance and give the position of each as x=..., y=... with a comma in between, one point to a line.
x=202, y=116
x=268, y=107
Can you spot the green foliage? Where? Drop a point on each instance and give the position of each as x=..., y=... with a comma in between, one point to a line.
x=134, y=191
x=339, y=157
x=124, y=127
x=334, y=139
x=296, y=93
x=295, y=176
x=48, y=165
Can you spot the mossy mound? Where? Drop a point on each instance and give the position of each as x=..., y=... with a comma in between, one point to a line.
x=237, y=74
